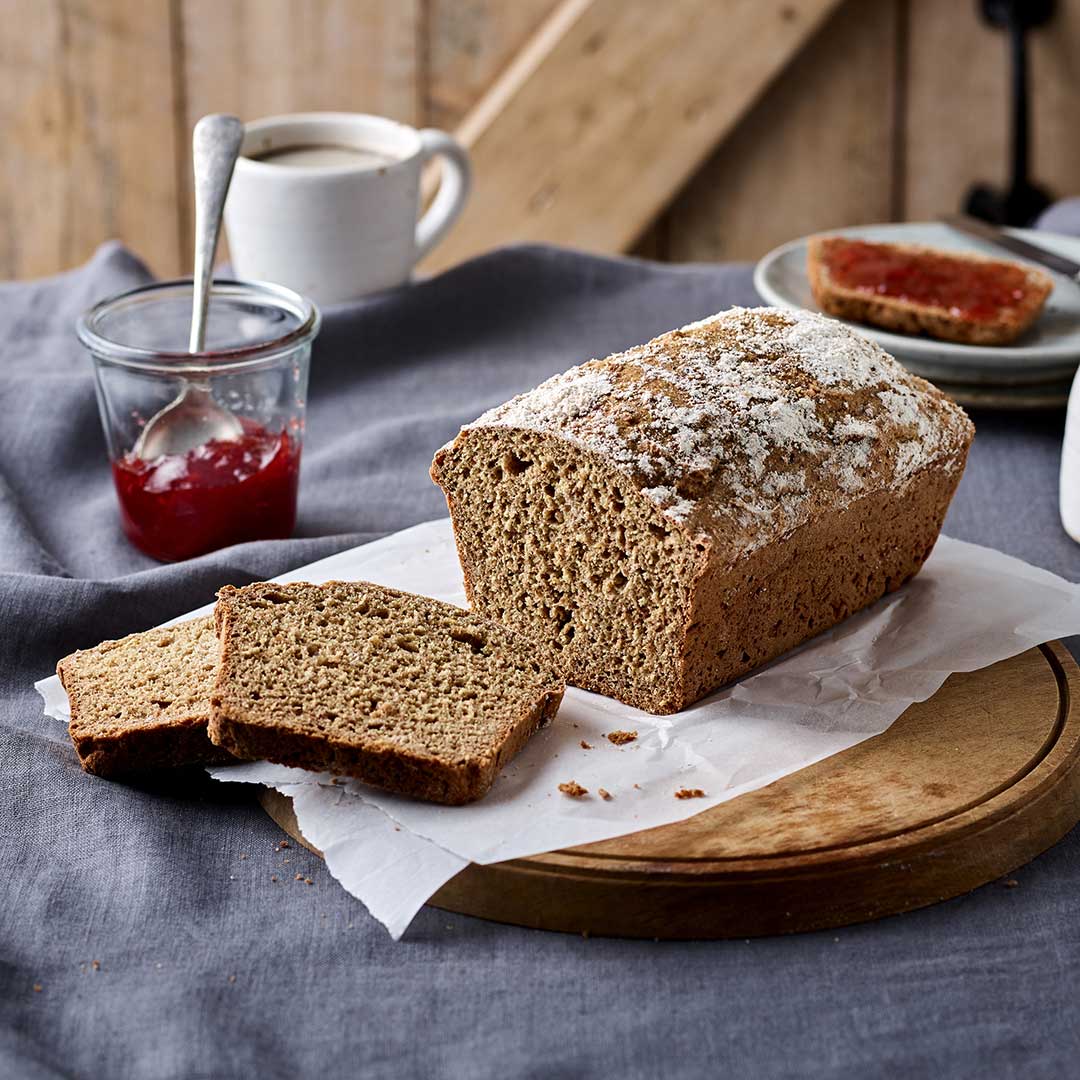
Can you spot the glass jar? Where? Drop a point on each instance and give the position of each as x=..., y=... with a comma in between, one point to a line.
x=239, y=484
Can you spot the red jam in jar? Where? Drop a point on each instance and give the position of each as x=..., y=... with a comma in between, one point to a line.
x=223, y=492
x=966, y=288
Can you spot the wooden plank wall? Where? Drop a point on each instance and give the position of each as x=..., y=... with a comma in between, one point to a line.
x=87, y=108
x=815, y=152
x=890, y=111
x=596, y=127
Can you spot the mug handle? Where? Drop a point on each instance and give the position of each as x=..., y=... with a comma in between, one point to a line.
x=454, y=184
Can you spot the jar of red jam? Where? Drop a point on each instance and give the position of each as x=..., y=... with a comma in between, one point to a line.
x=239, y=483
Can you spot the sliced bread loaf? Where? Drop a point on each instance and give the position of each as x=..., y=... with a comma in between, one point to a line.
x=400, y=691
x=143, y=702
x=665, y=520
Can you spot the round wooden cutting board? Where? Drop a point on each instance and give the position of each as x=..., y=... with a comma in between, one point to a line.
x=962, y=789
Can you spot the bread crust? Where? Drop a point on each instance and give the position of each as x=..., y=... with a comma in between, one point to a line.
x=909, y=317
x=787, y=593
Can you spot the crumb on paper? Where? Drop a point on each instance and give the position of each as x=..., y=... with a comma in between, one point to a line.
x=95, y=964
x=1011, y=883
x=299, y=877
x=38, y=988
x=273, y=877
x=638, y=786
x=308, y=881
x=606, y=795
x=621, y=738
x=573, y=789
x=585, y=745
x=283, y=844
x=690, y=793
x=232, y=978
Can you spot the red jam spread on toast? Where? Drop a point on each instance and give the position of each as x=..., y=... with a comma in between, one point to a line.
x=223, y=492
x=967, y=289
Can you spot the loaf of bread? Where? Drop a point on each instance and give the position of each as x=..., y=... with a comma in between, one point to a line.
x=143, y=702
x=911, y=289
x=401, y=691
x=665, y=520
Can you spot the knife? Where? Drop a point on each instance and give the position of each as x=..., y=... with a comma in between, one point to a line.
x=974, y=227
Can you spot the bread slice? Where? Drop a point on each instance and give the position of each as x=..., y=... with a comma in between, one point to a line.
x=952, y=296
x=401, y=691
x=143, y=702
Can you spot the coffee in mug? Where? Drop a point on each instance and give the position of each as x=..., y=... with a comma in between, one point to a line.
x=328, y=155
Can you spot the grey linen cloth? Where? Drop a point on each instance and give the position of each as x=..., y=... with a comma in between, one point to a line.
x=148, y=915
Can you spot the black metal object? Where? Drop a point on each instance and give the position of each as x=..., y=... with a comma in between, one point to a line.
x=1024, y=200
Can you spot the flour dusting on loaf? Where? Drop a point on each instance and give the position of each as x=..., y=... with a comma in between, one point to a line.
x=747, y=414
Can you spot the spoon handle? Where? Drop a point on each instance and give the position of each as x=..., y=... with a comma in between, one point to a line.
x=215, y=148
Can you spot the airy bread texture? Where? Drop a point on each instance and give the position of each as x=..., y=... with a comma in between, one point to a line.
x=401, y=691
x=664, y=520
x=909, y=317
x=143, y=702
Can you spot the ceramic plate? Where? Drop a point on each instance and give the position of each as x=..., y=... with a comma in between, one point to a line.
x=1049, y=351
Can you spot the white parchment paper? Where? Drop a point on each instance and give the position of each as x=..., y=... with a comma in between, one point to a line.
x=969, y=608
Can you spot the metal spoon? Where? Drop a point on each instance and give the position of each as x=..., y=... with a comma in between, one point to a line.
x=193, y=417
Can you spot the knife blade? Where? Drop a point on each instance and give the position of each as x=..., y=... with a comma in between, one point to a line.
x=992, y=234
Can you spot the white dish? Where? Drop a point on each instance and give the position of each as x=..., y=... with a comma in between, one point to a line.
x=1049, y=350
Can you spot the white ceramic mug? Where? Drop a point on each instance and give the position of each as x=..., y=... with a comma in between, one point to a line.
x=337, y=232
